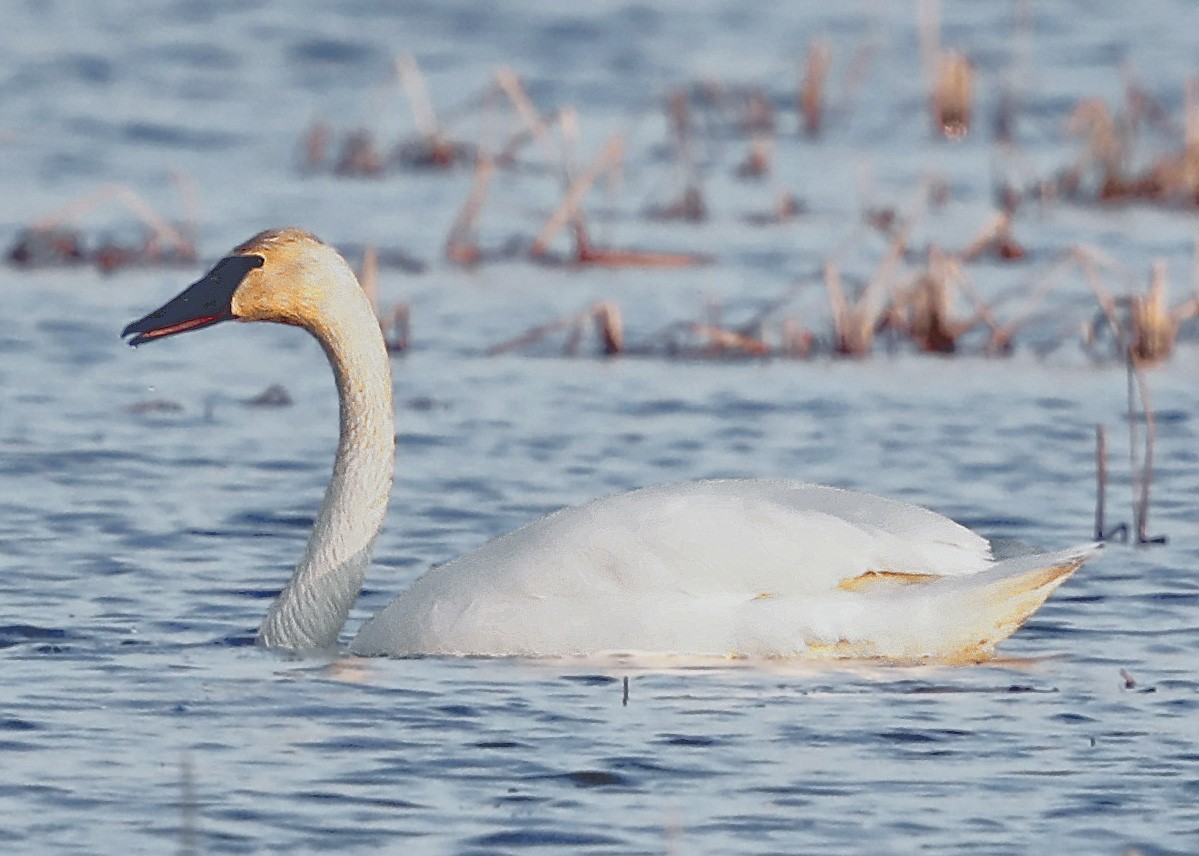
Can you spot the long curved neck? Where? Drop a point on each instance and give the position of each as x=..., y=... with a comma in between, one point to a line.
x=312, y=608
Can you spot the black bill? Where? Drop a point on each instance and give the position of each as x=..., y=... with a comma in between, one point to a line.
x=202, y=304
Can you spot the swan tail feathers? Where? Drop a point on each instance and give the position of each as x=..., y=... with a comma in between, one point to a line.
x=999, y=601
x=948, y=618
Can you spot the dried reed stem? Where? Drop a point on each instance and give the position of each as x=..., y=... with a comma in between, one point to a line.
x=797, y=341
x=1154, y=330
x=947, y=74
x=188, y=198
x=368, y=277
x=511, y=86
x=756, y=163
x=609, y=327
x=533, y=334
x=413, y=82
x=1088, y=259
x=399, y=336
x=316, y=145
x=604, y=314
x=995, y=235
x=567, y=210
x=1142, y=474
x=931, y=299
x=811, y=89
x=1000, y=341
x=1102, y=533
x=160, y=229
x=854, y=323
x=721, y=340
x=460, y=244
x=1100, y=481
x=952, y=95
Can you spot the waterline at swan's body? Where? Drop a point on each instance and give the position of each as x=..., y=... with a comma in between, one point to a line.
x=742, y=567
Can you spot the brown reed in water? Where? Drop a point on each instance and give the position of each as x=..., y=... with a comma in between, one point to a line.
x=947, y=74
x=1147, y=329
x=691, y=205
x=811, y=88
x=952, y=94
x=433, y=148
x=395, y=327
x=52, y=240
x=461, y=244
x=605, y=315
x=1141, y=456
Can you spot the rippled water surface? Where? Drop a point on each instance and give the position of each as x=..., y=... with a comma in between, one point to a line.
x=149, y=513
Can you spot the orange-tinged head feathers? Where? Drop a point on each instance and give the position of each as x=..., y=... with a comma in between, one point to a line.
x=283, y=275
x=293, y=284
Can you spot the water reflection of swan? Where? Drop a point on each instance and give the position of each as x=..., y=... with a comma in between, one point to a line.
x=747, y=567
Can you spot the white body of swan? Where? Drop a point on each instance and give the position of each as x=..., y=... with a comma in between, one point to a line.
x=734, y=567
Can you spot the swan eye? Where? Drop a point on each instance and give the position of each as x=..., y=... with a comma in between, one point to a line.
x=202, y=304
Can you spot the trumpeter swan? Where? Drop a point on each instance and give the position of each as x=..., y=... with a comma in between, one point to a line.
x=735, y=567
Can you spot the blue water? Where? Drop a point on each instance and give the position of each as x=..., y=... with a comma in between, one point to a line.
x=149, y=513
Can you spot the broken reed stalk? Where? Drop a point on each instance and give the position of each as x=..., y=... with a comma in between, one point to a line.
x=611, y=154
x=1003, y=334
x=609, y=327
x=1105, y=147
x=191, y=209
x=856, y=74
x=413, y=83
x=838, y=304
x=509, y=83
x=947, y=75
x=811, y=88
x=1089, y=260
x=399, y=337
x=533, y=334
x=759, y=113
x=368, y=277
x=855, y=324
x=1142, y=474
x=797, y=341
x=1000, y=340
x=996, y=235
x=931, y=300
x=1102, y=533
x=317, y=142
x=608, y=324
x=1154, y=330
x=1100, y=481
x=461, y=246
x=690, y=206
x=756, y=163
x=928, y=31
x=952, y=95
x=721, y=340
x=678, y=108
x=161, y=230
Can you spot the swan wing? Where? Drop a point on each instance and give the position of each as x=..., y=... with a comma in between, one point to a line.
x=663, y=568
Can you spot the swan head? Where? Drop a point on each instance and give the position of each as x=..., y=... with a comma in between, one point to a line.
x=284, y=275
